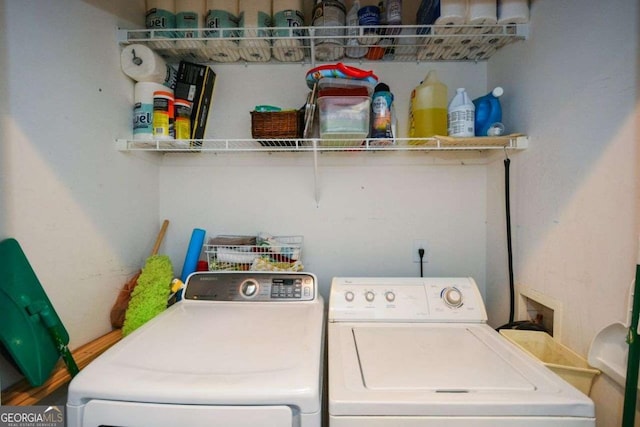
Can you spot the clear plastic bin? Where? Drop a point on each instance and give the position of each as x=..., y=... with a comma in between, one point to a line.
x=344, y=119
x=560, y=359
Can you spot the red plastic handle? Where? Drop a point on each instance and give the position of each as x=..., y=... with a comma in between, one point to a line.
x=354, y=72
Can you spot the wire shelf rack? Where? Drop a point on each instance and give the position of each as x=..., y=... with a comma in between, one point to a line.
x=404, y=43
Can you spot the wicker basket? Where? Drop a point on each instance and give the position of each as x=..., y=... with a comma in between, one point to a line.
x=277, y=125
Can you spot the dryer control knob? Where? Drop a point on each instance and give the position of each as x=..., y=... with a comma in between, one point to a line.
x=249, y=288
x=390, y=296
x=349, y=296
x=452, y=297
x=369, y=296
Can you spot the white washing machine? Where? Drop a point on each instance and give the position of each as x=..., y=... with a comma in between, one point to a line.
x=241, y=349
x=418, y=352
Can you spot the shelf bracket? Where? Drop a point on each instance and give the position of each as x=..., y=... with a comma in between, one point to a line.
x=122, y=145
x=316, y=177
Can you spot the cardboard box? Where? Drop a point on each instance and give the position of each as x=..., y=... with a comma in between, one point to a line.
x=195, y=83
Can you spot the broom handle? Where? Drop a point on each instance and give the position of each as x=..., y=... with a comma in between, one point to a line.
x=160, y=237
x=633, y=359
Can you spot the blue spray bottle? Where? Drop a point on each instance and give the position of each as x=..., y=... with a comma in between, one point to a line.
x=488, y=111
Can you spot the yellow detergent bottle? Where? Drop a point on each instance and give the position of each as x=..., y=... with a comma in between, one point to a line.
x=428, y=109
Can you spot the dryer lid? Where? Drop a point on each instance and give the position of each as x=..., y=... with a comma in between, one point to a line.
x=204, y=353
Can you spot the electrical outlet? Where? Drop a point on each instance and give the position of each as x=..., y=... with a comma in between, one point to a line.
x=417, y=244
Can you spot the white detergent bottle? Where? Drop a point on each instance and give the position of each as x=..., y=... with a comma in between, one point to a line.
x=461, y=115
x=354, y=50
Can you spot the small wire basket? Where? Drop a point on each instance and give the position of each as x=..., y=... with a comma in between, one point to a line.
x=282, y=253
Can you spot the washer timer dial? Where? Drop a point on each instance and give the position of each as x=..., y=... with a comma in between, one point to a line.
x=451, y=296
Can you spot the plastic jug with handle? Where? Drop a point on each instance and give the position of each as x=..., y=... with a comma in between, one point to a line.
x=488, y=111
x=428, y=109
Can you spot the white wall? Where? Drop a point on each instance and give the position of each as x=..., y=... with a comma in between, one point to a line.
x=371, y=205
x=573, y=88
x=87, y=215
x=84, y=214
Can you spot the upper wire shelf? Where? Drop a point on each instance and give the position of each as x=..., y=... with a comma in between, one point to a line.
x=403, y=43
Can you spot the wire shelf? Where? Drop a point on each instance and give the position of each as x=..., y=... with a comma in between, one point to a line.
x=512, y=142
x=404, y=43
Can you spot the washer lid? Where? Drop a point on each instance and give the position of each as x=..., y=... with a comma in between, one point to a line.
x=446, y=369
x=433, y=359
x=205, y=353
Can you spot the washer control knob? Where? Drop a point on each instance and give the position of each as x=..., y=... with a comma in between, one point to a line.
x=390, y=296
x=452, y=297
x=249, y=288
x=369, y=296
x=349, y=296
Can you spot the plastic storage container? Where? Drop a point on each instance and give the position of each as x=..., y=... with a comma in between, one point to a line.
x=560, y=359
x=344, y=118
x=339, y=83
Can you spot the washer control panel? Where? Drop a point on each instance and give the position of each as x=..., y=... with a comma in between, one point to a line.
x=251, y=286
x=432, y=299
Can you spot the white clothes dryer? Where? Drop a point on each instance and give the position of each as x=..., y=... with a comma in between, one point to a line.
x=409, y=352
x=241, y=349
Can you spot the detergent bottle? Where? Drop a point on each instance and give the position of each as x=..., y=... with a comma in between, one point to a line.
x=428, y=109
x=461, y=115
x=381, y=113
x=488, y=111
x=354, y=50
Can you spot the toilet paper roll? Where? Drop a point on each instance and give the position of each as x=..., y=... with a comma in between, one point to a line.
x=221, y=17
x=452, y=12
x=288, y=50
x=144, y=65
x=254, y=14
x=189, y=15
x=482, y=12
x=160, y=14
x=406, y=47
x=287, y=15
x=143, y=109
x=255, y=50
x=222, y=20
x=222, y=50
x=513, y=12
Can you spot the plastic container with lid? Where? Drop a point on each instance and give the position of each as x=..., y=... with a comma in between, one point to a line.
x=338, y=83
x=428, y=109
x=344, y=118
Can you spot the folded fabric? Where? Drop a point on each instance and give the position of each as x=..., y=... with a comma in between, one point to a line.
x=264, y=264
x=232, y=240
x=235, y=256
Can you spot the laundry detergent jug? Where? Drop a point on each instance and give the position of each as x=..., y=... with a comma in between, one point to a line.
x=428, y=109
x=488, y=111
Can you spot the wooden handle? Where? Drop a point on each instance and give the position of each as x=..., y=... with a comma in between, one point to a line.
x=160, y=237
